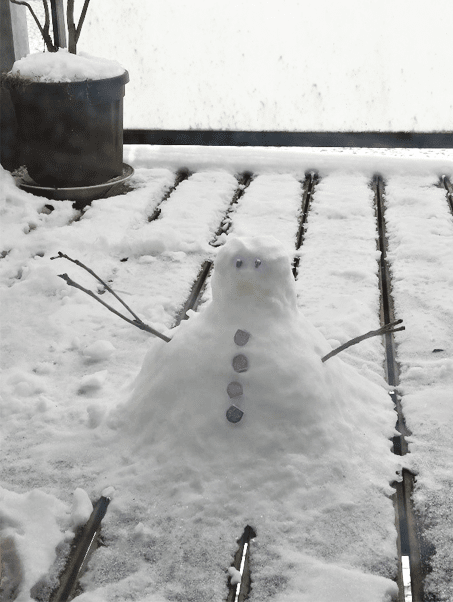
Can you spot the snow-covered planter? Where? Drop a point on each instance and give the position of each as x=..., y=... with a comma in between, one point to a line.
x=69, y=110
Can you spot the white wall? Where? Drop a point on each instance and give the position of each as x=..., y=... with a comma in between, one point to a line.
x=280, y=65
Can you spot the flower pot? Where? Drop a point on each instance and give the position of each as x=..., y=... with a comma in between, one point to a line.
x=71, y=133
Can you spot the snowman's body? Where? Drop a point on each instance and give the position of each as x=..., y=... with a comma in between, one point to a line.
x=251, y=349
x=308, y=464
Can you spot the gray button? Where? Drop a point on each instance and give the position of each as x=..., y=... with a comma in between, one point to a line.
x=240, y=363
x=234, y=389
x=241, y=337
x=234, y=414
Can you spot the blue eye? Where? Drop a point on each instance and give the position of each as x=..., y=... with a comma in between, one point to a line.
x=238, y=263
x=257, y=263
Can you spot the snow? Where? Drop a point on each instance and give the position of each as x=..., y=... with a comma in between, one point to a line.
x=63, y=66
x=81, y=507
x=280, y=404
x=235, y=575
x=98, y=351
x=183, y=480
x=30, y=531
x=93, y=381
x=342, y=222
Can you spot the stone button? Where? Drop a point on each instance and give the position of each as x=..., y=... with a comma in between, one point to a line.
x=234, y=414
x=234, y=389
x=241, y=337
x=240, y=363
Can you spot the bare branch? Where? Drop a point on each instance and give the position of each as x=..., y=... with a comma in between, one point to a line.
x=44, y=30
x=47, y=20
x=81, y=20
x=388, y=328
x=139, y=323
x=107, y=287
x=136, y=322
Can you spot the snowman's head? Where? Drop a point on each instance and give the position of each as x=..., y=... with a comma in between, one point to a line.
x=255, y=273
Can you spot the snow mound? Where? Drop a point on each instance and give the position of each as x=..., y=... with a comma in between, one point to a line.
x=81, y=507
x=29, y=535
x=252, y=354
x=99, y=351
x=63, y=66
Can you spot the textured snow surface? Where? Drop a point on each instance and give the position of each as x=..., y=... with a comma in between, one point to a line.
x=91, y=405
x=62, y=66
x=30, y=532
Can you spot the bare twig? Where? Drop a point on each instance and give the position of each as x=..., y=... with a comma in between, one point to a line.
x=44, y=30
x=47, y=22
x=81, y=20
x=81, y=265
x=136, y=322
x=388, y=328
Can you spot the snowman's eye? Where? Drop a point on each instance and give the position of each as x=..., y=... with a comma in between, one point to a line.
x=238, y=263
x=257, y=263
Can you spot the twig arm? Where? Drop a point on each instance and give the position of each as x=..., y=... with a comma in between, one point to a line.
x=388, y=328
x=111, y=291
x=137, y=323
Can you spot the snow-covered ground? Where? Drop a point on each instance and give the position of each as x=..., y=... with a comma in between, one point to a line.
x=184, y=481
x=289, y=65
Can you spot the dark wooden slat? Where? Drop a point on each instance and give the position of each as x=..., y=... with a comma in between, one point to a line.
x=311, y=179
x=408, y=543
x=246, y=581
x=199, y=285
x=449, y=188
x=181, y=176
x=84, y=544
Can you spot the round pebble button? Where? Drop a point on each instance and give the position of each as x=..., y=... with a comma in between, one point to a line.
x=234, y=414
x=241, y=337
x=234, y=389
x=240, y=363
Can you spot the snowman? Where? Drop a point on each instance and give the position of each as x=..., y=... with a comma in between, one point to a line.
x=237, y=421
x=243, y=378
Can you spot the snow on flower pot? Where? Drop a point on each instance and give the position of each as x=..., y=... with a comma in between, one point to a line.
x=71, y=132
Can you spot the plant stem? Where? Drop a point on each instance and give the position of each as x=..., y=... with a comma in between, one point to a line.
x=72, y=40
x=44, y=30
x=47, y=22
x=81, y=20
